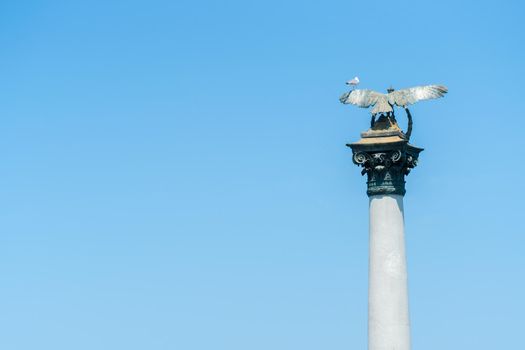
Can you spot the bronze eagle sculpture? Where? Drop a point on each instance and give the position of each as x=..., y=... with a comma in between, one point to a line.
x=383, y=103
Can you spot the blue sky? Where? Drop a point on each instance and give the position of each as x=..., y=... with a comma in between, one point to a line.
x=174, y=176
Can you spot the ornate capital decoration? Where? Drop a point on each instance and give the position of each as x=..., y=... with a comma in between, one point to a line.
x=385, y=156
x=386, y=167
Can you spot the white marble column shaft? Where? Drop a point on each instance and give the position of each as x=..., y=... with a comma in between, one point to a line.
x=388, y=316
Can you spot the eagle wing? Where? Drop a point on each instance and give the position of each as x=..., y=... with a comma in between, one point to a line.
x=410, y=96
x=361, y=98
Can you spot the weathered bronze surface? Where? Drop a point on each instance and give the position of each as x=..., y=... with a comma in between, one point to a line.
x=384, y=103
x=385, y=156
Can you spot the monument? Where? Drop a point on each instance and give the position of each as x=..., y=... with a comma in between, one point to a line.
x=386, y=156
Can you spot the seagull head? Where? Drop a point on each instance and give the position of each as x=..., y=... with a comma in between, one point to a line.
x=353, y=82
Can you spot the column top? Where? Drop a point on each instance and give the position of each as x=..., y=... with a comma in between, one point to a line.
x=386, y=157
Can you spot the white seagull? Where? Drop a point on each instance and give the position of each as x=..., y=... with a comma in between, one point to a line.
x=354, y=82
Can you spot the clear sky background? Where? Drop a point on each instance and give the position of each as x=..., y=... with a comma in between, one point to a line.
x=174, y=173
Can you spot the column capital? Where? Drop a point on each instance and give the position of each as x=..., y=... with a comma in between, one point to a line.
x=386, y=157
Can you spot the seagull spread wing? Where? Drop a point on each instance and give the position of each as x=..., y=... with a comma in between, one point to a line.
x=410, y=96
x=361, y=98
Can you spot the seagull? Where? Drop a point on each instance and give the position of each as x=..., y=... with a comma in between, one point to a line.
x=354, y=82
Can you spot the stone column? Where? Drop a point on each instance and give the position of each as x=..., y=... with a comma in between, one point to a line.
x=388, y=319
x=386, y=157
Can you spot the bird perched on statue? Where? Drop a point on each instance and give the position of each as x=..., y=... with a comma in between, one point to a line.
x=383, y=103
x=354, y=82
